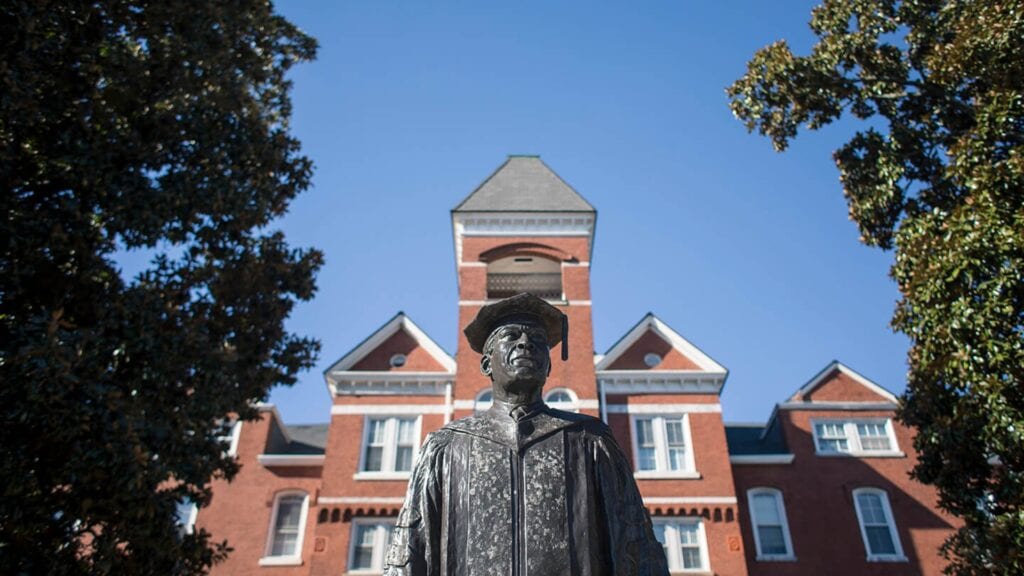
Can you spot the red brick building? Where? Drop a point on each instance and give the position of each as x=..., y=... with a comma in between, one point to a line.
x=822, y=487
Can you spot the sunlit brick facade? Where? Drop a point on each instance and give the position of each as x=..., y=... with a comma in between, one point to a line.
x=821, y=487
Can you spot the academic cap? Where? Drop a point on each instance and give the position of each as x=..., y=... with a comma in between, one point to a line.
x=490, y=316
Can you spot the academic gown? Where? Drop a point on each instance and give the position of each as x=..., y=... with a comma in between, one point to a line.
x=549, y=493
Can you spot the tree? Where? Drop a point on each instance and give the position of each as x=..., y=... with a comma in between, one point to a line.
x=155, y=126
x=938, y=174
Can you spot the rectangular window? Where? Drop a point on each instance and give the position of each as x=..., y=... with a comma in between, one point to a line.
x=287, y=527
x=662, y=446
x=771, y=531
x=369, y=545
x=855, y=437
x=287, y=521
x=685, y=546
x=877, y=526
x=390, y=444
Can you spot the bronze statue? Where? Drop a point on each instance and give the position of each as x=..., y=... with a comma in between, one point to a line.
x=522, y=489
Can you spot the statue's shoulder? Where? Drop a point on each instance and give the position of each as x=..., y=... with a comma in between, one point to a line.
x=583, y=422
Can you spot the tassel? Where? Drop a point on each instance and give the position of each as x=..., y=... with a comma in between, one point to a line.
x=565, y=337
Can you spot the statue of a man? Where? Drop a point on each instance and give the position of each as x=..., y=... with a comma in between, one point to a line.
x=522, y=489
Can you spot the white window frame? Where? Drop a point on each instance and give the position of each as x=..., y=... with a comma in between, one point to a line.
x=187, y=523
x=380, y=545
x=285, y=559
x=674, y=558
x=483, y=405
x=570, y=406
x=853, y=440
x=780, y=507
x=387, y=471
x=661, y=469
x=898, y=556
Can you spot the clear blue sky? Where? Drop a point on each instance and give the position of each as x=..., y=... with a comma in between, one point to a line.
x=747, y=253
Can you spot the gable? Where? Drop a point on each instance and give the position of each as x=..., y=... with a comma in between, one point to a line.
x=651, y=335
x=417, y=358
x=650, y=343
x=839, y=383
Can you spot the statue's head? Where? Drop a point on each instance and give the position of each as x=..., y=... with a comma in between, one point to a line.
x=515, y=336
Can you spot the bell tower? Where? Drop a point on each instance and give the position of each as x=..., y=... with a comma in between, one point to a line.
x=524, y=229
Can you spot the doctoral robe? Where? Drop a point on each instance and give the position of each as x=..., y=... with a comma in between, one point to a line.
x=548, y=494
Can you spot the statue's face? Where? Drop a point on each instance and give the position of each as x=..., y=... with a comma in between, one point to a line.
x=517, y=358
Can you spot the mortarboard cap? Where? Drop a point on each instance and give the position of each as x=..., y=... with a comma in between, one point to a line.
x=556, y=323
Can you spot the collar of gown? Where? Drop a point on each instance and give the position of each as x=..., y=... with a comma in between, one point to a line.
x=497, y=425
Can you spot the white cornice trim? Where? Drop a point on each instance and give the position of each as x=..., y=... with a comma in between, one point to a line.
x=665, y=381
x=650, y=322
x=743, y=459
x=291, y=459
x=389, y=383
x=520, y=224
x=348, y=409
x=838, y=406
x=577, y=405
x=664, y=408
x=690, y=500
x=359, y=500
x=823, y=375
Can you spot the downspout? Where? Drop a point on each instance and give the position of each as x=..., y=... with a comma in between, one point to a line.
x=447, y=402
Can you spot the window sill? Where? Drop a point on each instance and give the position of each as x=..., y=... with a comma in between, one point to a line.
x=281, y=561
x=776, y=558
x=657, y=475
x=862, y=454
x=382, y=475
x=888, y=559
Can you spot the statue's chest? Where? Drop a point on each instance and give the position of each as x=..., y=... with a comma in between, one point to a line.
x=517, y=504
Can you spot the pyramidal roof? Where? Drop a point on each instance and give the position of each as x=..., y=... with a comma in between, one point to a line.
x=524, y=184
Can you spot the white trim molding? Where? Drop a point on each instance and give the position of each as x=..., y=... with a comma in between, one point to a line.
x=368, y=383
x=745, y=459
x=664, y=408
x=660, y=382
x=359, y=500
x=387, y=409
x=690, y=500
x=269, y=460
x=520, y=224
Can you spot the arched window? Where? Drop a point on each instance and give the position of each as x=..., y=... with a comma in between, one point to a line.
x=560, y=398
x=534, y=274
x=287, y=523
x=771, y=530
x=877, y=525
x=483, y=400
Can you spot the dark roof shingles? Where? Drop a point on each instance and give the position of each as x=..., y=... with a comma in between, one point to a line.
x=524, y=184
